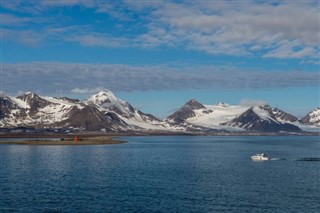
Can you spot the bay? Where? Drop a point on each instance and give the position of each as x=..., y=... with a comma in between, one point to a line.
x=164, y=174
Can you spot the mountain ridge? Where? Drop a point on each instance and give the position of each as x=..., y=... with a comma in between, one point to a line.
x=104, y=111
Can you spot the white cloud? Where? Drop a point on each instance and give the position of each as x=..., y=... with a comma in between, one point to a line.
x=8, y=19
x=236, y=28
x=242, y=28
x=86, y=90
x=13, y=20
x=27, y=37
x=2, y=94
x=292, y=49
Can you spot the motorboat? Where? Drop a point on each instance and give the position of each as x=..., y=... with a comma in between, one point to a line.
x=259, y=157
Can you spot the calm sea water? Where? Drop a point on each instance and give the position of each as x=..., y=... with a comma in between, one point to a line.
x=163, y=174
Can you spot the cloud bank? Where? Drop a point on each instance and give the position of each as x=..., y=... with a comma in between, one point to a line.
x=89, y=78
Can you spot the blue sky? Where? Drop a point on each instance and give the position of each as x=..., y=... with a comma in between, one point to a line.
x=159, y=54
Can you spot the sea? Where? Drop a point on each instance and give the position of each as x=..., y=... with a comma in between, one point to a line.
x=164, y=174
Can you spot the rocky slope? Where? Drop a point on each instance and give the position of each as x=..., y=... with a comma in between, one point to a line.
x=185, y=112
x=312, y=118
x=263, y=119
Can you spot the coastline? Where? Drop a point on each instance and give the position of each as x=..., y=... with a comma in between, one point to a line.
x=98, y=140
x=95, y=138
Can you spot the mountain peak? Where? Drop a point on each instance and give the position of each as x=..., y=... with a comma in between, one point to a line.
x=194, y=104
x=186, y=111
x=259, y=119
x=102, y=97
x=312, y=118
x=108, y=101
x=105, y=93
x=32, y=101
x=222, y=104
x=28, y=96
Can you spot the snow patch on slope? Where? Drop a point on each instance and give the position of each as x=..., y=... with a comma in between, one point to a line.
x=263, y=114
x=102, y=97
x=315, y=116
x=20, y=103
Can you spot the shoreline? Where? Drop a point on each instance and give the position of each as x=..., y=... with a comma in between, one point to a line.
x=99, y=140
x=91, y=138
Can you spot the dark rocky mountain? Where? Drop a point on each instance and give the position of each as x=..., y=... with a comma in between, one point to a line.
x=185, y=112
x=90, y=118
x=280, y=114
x=251, y=120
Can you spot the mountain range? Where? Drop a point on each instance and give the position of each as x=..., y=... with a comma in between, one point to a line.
x=106, y=112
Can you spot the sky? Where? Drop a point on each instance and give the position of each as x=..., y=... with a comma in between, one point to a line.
x=157, y=55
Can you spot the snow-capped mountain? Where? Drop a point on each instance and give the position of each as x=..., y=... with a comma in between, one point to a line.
x=312, y=118
x=235, y=118
x=31, y=110
x=101, y=111
x=185, y=112
x=104, y=111
x=118, y=109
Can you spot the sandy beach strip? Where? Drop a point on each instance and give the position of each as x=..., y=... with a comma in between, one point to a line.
x=101, y=140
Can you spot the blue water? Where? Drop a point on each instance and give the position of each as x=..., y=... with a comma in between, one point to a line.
x=163, y=174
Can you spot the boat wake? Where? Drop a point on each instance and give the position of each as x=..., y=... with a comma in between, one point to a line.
x=298, y=159
x=278, y=158
x=309, y=159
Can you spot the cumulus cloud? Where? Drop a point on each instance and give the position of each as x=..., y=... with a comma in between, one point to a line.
x=89, y=78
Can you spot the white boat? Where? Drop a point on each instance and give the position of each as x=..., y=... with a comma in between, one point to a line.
x=260, y=157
